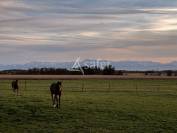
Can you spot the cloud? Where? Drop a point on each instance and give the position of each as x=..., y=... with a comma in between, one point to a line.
x=111, y=29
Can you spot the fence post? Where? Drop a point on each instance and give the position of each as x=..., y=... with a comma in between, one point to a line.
x=136, y=88
x=83, y=86
x=25, y=84
x=109, y=85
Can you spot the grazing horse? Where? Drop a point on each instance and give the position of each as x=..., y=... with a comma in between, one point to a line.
x=56, y=89
x=15, y=86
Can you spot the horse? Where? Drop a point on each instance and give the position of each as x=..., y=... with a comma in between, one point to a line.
x=56, y=89
x=15, y=86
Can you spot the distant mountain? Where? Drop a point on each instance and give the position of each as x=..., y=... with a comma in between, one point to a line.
x=119, y=65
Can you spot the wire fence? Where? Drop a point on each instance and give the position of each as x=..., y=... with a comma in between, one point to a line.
x=96, y=85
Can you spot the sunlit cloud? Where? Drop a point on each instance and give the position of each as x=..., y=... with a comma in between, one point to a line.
x=113, y=29
x=166, y=24
x=90, y=34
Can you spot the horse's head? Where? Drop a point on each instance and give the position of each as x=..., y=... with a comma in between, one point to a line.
x=59, y=83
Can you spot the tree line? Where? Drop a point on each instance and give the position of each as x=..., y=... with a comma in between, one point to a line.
x=107, y=70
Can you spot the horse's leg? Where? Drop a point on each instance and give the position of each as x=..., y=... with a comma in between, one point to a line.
x=13, y=89
x=53, y=102
x=17, y=91
x=59, y=100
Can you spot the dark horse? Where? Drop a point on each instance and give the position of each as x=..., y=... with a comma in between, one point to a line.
x=15, y=86
x=56, y=89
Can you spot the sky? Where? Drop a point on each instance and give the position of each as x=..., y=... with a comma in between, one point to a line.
x=62, y=30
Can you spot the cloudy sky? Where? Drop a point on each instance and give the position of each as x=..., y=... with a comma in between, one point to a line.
x=62, y=30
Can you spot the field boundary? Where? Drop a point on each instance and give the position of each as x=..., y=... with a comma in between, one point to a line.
x=80, y=77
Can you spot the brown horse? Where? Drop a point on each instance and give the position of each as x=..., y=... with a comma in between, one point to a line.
x=15, y=86
x=56, y=89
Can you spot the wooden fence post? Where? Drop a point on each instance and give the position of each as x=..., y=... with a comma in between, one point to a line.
x=25, y=84
x=83, y=86
x=109, y=85
x=136, y=88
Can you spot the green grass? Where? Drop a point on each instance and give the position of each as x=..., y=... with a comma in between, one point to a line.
x=126, y=106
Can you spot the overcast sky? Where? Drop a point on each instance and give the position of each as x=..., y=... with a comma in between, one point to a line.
x=62, y=30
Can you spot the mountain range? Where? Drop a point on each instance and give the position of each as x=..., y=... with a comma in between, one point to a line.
x=119, y=65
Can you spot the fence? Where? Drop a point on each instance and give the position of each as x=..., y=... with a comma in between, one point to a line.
x=98, y=85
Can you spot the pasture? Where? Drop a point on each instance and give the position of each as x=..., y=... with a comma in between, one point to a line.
x=91, y=106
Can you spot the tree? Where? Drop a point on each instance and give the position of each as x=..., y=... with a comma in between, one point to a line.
x=109, y=70
x=169, y=72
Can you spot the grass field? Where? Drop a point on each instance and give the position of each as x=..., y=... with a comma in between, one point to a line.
x=130, y=106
